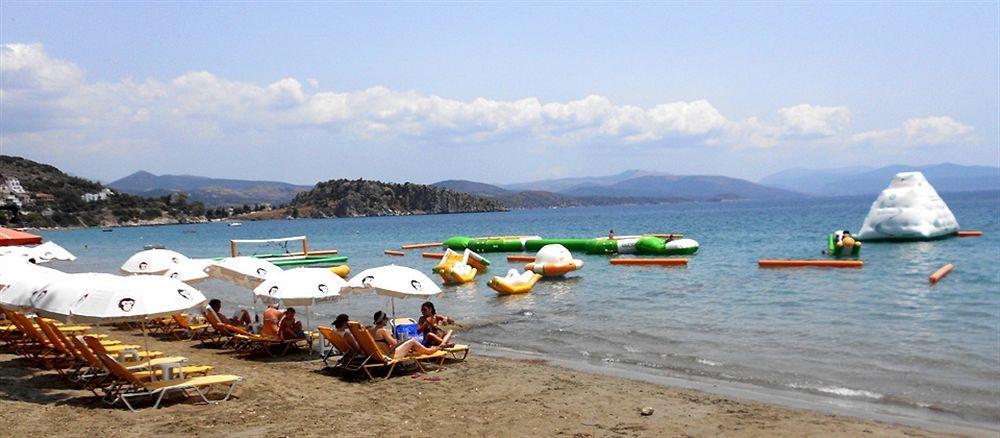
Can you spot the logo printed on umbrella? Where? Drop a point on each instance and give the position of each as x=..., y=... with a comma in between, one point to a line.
x=367, y=281
x=84, y=297
x=174, y=259
x=142, y=266
x=273, y=290
x=175, y=274
x=126, y=304
x=322, y=288
x=184, y=293
x=261, y=271
x=38, y=294
x=416, y=285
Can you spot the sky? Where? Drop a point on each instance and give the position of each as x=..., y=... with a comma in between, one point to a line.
x=501, y=93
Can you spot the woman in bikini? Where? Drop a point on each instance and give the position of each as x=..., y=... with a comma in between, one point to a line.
x=429, y=325
x=390, y=346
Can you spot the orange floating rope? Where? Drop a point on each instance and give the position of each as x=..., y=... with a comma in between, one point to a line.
x=968, y=233
x=432, y=255
x=394, y=253
x=645, y=261
x=940, y=273
x=421, y=245
x=520, y=258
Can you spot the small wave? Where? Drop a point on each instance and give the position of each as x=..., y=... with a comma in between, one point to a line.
x=849, y=392
x=841, y=391
x=708, y=362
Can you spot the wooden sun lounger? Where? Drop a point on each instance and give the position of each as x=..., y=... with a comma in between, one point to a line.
x=259, y=343
x=129, y=386
x=375, y=358
x=193, y=331
x=350, y=359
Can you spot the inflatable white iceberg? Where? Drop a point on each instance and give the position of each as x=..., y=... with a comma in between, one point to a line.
x=910, y=209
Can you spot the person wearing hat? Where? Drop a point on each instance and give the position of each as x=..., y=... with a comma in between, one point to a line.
x=392, y=347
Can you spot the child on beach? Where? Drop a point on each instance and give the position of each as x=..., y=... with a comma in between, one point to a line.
x=428, y=325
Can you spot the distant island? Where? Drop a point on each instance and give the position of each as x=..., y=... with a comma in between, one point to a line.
x=39, y=195
x=355, y=198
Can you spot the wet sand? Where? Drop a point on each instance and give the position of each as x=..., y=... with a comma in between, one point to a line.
x=294, y=396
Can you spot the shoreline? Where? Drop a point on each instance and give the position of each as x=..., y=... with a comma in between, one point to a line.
x=789, y=399
x=484, y=395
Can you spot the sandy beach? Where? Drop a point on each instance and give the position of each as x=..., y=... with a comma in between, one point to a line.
x=294, y=396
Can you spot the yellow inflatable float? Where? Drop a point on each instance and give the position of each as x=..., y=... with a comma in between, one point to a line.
x=553, y=261
x=466, y=257
x=457, y=273
x=514, y=282
x=342, y=270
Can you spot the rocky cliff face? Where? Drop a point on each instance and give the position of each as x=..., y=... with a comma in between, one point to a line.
x=351, y=198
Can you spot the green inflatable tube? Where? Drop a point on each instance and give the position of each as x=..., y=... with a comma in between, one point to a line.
x=311, y=261
x=656, y=246
x=647, y=245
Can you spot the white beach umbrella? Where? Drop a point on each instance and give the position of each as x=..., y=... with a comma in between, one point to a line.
x=190, y=272
x=136, y=298
x=43, y=253
x=300, y=287
x=12, y=268
x=20, y=283
x=153, y=261
x=248, y=272
x=395, y=282
x=54, y=299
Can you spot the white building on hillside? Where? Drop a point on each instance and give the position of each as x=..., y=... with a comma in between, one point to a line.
x=13, y=185
x=99, y=196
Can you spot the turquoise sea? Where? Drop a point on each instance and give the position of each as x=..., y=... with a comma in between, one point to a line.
x=878, y=339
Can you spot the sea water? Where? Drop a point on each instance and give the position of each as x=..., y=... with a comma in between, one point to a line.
x=880, y=337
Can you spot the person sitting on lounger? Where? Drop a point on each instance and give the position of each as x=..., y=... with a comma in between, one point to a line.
x=340, y=325
x=241, y=318
x=429, y=325
x=392, y=347
x=272, y=316
x=288, y=327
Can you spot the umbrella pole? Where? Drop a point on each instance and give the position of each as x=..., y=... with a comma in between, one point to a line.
x=393, y=301
x=149, y=357
x=308, y=325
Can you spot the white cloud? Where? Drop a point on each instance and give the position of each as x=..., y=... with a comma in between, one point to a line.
x=811, y=120
x=928, y=131
x=49, y=104
x=28, y=67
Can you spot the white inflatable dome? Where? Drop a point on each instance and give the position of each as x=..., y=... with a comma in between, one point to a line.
x=909, y=209
x=553, y=253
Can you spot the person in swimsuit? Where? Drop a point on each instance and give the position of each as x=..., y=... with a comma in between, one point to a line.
x=288, y=327
x=429, y=325
x=390, y=346
x=240, y=319
x=340, y=325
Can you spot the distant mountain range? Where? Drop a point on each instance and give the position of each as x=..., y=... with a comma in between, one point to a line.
x=629, y=187
x=209, y=191
x=845, y=181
